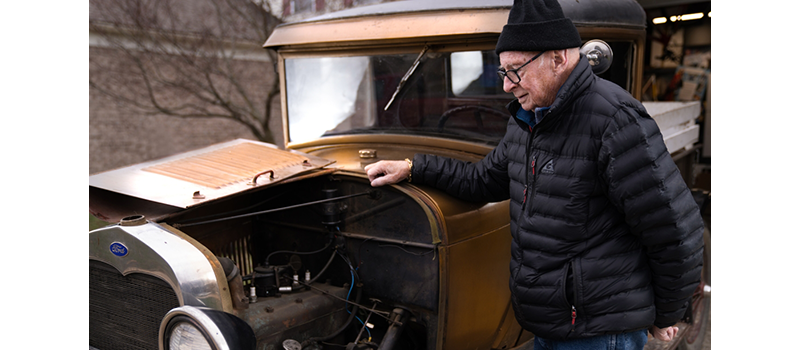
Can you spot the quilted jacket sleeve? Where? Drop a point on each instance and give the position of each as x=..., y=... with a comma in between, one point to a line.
x=484, y=181
x=644, y=183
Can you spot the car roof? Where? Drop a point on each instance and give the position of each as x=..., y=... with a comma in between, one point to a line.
x=425, y=18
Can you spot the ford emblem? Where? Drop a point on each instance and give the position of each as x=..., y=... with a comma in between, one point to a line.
x=118, y=249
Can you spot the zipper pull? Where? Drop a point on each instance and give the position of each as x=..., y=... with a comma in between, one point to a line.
x=574, y=314
x=525, y=194
x=533, y=166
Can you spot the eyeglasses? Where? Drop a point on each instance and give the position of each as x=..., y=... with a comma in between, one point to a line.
x=512, y=73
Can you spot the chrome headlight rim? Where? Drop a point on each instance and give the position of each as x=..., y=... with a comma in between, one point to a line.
x=181, y=319
x=222, y=331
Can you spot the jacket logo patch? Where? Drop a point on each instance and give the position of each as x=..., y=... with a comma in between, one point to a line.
x=548, y=168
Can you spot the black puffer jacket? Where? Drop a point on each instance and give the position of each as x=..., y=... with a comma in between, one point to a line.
x=594, y=196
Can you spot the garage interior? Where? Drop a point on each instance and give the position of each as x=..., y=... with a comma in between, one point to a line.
x=678, y=68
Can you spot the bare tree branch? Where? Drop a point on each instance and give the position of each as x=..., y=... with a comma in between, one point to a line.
x=187, y=58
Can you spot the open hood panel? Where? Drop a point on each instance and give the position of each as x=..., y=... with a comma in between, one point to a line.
x=189, y=179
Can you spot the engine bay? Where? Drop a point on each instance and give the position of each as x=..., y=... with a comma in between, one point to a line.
x=326, y=262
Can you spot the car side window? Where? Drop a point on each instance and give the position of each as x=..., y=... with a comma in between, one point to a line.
x=474, y=73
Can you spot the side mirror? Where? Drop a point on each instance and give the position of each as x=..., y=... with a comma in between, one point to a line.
x=599, y=54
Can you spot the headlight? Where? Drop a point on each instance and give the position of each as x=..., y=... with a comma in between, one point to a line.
x=194, y=328
x=183, y=334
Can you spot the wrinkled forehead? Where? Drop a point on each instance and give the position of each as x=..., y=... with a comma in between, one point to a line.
x=514, y=59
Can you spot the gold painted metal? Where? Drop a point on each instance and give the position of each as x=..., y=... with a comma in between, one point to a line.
x=345, y=149
x=509, y=331
x=474, y=241
x=367, y=153
x=396, y=26
x=473, y=271
x=475, y=286
x=473, y=245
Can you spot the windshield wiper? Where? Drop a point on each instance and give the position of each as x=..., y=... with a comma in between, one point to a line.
x=408, y=75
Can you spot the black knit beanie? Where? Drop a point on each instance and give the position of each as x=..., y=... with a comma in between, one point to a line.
x=537, y=25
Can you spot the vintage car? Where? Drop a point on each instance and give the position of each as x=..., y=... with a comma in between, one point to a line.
x=247, y=245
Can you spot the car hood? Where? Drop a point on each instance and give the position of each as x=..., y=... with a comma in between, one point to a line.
x=165, y=186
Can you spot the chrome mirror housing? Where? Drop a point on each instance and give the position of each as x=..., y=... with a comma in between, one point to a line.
x=599, y=54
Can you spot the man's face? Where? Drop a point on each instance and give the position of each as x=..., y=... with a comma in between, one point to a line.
x=538, y=80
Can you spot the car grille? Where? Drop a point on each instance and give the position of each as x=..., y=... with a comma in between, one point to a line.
x=125, y=312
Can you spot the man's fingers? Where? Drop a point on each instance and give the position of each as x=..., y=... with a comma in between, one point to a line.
x=374, y=171
x=664, y=334
x=369, y=166
x=385, y=172
x=379, y=182
x=385, y=179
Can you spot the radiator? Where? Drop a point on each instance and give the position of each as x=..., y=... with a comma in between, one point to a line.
x=125, y=312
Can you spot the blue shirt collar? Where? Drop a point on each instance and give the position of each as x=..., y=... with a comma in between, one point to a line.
x=532, y=118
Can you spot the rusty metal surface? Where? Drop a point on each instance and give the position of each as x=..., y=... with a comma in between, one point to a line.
x=299, y=315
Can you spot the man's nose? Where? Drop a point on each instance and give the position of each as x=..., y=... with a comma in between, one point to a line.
x=507, y=84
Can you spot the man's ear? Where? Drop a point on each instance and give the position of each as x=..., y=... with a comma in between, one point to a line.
x=561, y=60
x=565, y=60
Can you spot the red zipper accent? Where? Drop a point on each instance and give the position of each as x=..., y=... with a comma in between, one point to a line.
x=525, y=194
x=574, y=315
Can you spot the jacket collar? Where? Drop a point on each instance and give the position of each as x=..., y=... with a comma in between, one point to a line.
x=577, y=81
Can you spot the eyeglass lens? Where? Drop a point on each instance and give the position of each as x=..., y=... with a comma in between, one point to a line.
x=512, y=73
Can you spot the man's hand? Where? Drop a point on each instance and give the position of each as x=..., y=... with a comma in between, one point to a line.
x=387, y=172
x=665, y=334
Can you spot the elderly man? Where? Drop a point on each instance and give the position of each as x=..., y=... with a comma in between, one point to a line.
x=607, y=240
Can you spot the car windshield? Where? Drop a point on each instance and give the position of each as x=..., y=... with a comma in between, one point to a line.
x=444, y=94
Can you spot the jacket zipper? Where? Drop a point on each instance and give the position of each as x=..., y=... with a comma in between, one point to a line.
x=524, y=194
x=574, y=316
x=524, y=199
x=533, y=170
x=574, y=313
x=525, y=190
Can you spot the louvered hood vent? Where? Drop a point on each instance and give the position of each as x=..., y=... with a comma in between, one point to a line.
x=200, y=176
